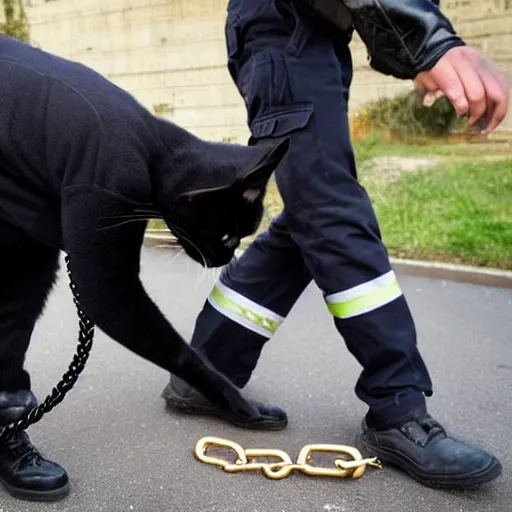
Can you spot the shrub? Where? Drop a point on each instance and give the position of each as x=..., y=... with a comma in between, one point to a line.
x=16, y=23
x=162, y=109
x=405, y=115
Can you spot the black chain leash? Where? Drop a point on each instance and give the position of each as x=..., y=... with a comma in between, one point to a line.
x=85, y=339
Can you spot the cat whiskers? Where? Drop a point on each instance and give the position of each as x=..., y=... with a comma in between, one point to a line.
x=211, y=274
x=204, y=268
x=214, y=274
x=130, y=218
x=181, y=233
x=199, y=279
x=178, y=253
x=154, y=214
x=133, y=215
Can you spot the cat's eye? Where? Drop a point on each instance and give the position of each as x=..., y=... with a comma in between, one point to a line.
x=225, y=238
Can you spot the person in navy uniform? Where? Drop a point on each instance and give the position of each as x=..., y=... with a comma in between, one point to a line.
x=294, y=71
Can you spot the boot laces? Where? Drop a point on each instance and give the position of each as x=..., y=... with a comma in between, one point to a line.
x=422, y=431
x=22, y=449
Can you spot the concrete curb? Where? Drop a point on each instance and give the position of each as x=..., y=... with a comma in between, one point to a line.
x=152, y=240
x=432, y=269
x=459, y=273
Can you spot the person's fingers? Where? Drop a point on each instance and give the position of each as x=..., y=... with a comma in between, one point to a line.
x=476, y=94
x=497, y=95
x=472, y=85
x=431, y=97
x=447, y=80
x=424, y=83
x=426, y=86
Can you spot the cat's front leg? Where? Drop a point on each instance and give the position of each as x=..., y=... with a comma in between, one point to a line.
x=220, y=391
x=105, y=266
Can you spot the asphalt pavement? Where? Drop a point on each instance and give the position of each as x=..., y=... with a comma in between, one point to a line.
x=125, y=452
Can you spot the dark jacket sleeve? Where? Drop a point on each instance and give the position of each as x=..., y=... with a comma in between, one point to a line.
x=402, y=37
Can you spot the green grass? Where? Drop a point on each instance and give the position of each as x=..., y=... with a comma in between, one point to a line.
x=461, y=212
x=374, y=145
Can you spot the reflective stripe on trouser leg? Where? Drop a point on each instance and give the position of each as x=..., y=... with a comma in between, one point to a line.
x=365, y=297
x=244, y=311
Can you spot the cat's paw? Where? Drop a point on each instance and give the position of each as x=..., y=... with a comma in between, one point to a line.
x=235, y=403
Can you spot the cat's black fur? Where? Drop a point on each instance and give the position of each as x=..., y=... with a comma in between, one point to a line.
x=82, y=164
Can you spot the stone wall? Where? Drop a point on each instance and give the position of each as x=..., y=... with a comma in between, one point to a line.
x=170, y=54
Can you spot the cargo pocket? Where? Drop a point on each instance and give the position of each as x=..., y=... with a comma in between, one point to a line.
x=274, y=102
x=282, y=122
x=273, y=108
x=232, y=34
x=233, y=45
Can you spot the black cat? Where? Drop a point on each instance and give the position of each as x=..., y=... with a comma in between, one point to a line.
x=80, y=161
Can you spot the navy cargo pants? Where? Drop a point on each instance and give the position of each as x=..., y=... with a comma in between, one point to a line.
x=294, y=76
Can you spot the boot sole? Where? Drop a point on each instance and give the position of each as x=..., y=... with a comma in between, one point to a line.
x=389, y=456
x=24, y=494
x=191, y=407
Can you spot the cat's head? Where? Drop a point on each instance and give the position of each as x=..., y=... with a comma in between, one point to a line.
x=210, y=220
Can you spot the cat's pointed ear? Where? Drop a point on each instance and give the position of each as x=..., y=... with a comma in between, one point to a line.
x=255, y=181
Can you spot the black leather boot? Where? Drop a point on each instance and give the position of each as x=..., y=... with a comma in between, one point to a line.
x=182, y=397
x=423, y=450
x=24, y=473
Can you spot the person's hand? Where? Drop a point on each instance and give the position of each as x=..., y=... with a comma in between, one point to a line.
x=471, y=83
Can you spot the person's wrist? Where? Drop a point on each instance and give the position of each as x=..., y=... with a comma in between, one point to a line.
x=439, y=46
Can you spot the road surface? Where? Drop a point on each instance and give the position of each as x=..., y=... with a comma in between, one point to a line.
x=125, y=452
